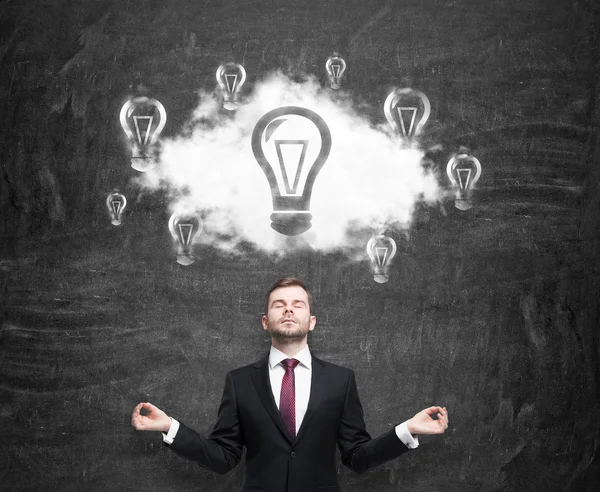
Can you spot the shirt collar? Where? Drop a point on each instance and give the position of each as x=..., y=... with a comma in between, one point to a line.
x=276, y=356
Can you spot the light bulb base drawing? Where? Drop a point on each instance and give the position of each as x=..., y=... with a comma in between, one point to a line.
x=463, y=203
x=291, y=145
x=185, y=259
x=381, y=278
x=144, y=158
x=291, y=223
x=142, y=164
x=229, y=105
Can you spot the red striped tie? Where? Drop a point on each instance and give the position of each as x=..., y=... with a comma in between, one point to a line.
x=287, y=400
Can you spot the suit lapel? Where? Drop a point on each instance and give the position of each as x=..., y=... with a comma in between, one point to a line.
x=262, y=384
x=317, y=389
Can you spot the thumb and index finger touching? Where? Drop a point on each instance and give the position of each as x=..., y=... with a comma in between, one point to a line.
x=437, y=411
x=144, y=405
x=434, y=409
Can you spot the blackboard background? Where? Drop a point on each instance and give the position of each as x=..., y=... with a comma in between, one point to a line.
x=492, y=312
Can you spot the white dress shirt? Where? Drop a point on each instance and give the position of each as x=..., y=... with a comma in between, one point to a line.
x=302, y=379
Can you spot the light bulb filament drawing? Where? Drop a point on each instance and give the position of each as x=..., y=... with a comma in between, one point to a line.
x=231, y=79
x=381, y=255
x=143, y=133
x=285, y=163
x=464, y=178
x=185, y=234
x=412, y=112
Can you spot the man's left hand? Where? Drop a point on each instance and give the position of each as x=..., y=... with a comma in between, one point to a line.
x=424, y=423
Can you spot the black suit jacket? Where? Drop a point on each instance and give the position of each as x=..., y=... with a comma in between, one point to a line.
x=249, y=417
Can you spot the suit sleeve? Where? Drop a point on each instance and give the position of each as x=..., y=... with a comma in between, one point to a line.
x=222, y=450
x=359, y=451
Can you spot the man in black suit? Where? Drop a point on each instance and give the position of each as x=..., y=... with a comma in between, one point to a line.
x=289, y=410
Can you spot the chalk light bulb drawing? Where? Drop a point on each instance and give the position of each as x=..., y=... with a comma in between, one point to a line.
x=115, y=203
x=231, y=77
x=407, y=110
x=291, y=144
x=381, y=250
x=335, y=66
x=185, y=228
x=464, y=171
x=143, y=119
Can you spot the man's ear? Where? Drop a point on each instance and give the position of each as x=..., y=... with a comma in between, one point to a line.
x=264, y=322
x=313, y=322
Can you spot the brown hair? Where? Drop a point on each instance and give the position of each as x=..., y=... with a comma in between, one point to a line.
x=289, y=282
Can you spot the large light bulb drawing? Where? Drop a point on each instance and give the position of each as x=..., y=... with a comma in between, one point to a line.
x=115, y=203
x=335, y=66
x=143, y=120
x=407, y=110
x=464, y=171
x=381, y=250
x=185, y=228
x=291, y=144
x=230, y=76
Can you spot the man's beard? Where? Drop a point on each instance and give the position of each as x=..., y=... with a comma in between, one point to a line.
x=287, y=334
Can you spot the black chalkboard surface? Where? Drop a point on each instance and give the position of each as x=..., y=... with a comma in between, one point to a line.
x=492, y=312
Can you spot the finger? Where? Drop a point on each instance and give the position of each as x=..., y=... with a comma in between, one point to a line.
x=446, y=417
x=136, y=414
x=432, y=410
x=441, y=413
x=148, y=406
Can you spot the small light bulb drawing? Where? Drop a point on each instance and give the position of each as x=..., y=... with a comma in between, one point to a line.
x=407, y=110
x=143, y=120
x=230, y=76
x=335, y=66
x=185, y=228
x=464, y=171
x=291, y=145
x=115, y=203
x=381, y=250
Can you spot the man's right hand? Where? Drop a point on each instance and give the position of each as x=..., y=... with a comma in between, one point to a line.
x=155, y=420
